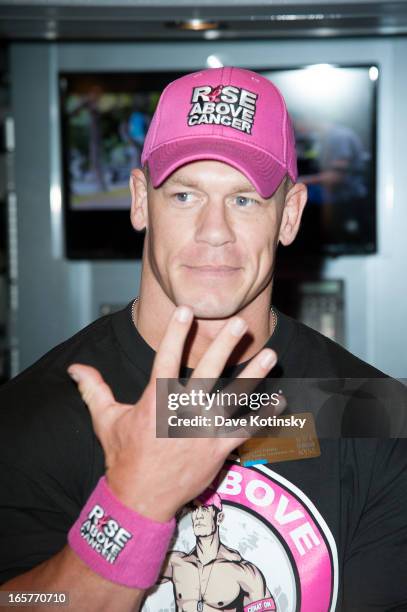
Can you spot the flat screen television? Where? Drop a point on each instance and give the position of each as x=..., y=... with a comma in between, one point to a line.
x=105, y=117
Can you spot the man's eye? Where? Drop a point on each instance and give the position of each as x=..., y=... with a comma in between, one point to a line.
x=244, y=202
x=183, y=197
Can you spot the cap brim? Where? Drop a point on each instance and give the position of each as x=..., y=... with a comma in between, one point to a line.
x=263, y=170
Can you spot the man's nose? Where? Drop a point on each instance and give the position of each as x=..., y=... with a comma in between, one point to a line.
x=214, y=224
x=199, y=512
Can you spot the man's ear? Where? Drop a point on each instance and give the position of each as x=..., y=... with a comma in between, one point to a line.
x=220, y=517
x=295, y=201
x=139, y=208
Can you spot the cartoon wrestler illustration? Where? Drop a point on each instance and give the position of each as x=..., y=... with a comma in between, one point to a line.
x=213, y=576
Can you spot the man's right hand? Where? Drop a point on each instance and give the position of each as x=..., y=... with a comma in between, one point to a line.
x=156, y=476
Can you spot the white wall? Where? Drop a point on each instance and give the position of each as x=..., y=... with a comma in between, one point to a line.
x=57, y=297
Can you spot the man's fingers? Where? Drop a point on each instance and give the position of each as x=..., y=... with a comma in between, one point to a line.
x=96, y=394
x=167, y=361
x=260, y=365
x=256, y=369
x=216, y=356
x=250, y=378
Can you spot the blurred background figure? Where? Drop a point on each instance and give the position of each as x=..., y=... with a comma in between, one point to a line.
x=338, y=157
x=135, y=128
x=333, y=163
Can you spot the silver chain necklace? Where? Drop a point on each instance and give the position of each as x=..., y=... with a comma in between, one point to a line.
x=137, y=299
x=200, y=602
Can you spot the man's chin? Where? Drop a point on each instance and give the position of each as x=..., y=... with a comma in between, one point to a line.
x=213, y=314
x=201, y=533
x=210, y=306
x=210, y=298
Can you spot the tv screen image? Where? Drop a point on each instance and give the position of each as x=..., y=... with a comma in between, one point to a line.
x=106, y=136
x=105, y=118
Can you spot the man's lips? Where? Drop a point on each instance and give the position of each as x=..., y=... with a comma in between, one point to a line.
x=211, y=269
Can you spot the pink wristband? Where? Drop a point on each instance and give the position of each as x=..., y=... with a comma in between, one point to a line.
x=262, y=605
x=117, y=542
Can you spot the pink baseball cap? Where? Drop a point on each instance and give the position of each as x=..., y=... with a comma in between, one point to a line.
x=225, y=114
x=210, y=498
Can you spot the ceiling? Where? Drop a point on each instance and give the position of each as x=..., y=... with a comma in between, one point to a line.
x=71, y=20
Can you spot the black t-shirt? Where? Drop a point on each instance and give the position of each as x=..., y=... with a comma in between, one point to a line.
x=326, y=533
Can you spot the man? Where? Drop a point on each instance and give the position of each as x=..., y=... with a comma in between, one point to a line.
x=212, y=573
x=217, y=194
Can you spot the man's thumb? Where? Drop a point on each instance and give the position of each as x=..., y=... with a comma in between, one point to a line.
x=94, y=391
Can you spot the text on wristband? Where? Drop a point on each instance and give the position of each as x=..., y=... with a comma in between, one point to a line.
x=104, y=534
